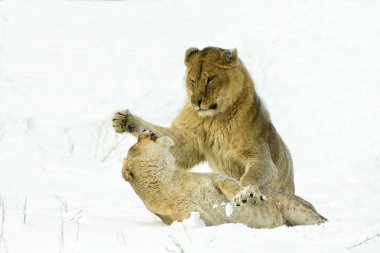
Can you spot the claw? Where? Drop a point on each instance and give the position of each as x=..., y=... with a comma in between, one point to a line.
x=119, y=113
x=153, y=136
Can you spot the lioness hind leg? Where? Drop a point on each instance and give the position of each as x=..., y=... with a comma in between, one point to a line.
x=237, y=193
x=165, y=219
x=298, y=211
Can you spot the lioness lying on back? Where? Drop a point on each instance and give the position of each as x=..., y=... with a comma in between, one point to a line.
x=223, y=122
x=172, y=194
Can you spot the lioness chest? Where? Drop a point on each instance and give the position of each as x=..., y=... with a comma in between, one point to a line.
x=220, y=145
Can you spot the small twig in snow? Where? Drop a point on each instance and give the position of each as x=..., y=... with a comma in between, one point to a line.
x=304, y=232
x=77, y=237
x=64, y=204
x=30, y=125
x=102, y=142
x=123, y=237
x=114, y=146
x=61, y=234
x=77, y=216
x=71, y=148
x=175, y=244
x=24, y=209
x=2, y=239
x=2, y=219
x=98, y=137
x=364, y=241
x=123, y=241
x=187, y=233
x=2, y=127
x=76, y=219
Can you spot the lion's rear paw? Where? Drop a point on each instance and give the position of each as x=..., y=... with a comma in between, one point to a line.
x=123, y=121
x=249, y=194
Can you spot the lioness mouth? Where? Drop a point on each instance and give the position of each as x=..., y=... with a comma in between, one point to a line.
x=153, y=136
x=213, y=106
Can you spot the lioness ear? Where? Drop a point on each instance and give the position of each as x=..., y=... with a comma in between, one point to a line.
x=166, y=141
x=126, y=173
x=230, y=55
x=189, y=53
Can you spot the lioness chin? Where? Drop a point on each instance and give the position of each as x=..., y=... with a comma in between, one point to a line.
x=222, y=122
x=173, y=194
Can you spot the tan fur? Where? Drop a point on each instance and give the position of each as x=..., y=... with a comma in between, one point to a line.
x=223, y=122
x=172, y=194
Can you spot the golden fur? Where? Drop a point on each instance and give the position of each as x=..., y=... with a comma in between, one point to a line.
x=173, y=194
x=224, y=123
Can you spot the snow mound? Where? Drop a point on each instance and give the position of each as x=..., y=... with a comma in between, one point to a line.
x=194, y=221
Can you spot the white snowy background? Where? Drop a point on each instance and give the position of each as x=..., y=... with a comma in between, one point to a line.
x=66, y=66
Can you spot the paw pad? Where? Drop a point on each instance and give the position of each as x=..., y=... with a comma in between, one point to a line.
x=121, y=122
x=249, y=194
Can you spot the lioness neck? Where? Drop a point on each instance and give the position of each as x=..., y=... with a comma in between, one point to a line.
x=152, y=174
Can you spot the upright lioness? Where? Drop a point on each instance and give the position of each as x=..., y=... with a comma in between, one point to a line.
x=172, y=194
x=223, y=122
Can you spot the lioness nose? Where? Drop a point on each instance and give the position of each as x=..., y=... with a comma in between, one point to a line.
x=197, y=102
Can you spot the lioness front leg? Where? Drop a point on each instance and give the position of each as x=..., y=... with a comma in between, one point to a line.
x=259, y=173
x=237, y=193
x=186, y=151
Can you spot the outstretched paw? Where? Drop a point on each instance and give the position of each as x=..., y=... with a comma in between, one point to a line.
x=123, y=122
x=249, y=194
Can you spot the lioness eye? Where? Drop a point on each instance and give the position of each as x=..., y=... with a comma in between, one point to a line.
x=210, y=79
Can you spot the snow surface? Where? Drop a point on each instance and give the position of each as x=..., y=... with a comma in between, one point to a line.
x=66, y=66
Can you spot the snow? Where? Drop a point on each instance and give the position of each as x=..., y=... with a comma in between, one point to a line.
x=194, y=221
x=229, y=209
x=66, y=66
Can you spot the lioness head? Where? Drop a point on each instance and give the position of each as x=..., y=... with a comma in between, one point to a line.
x=214, y=79
x=150, y=151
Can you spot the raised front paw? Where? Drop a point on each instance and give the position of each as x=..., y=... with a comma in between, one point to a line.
x=249, y=194
x=123, y=121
